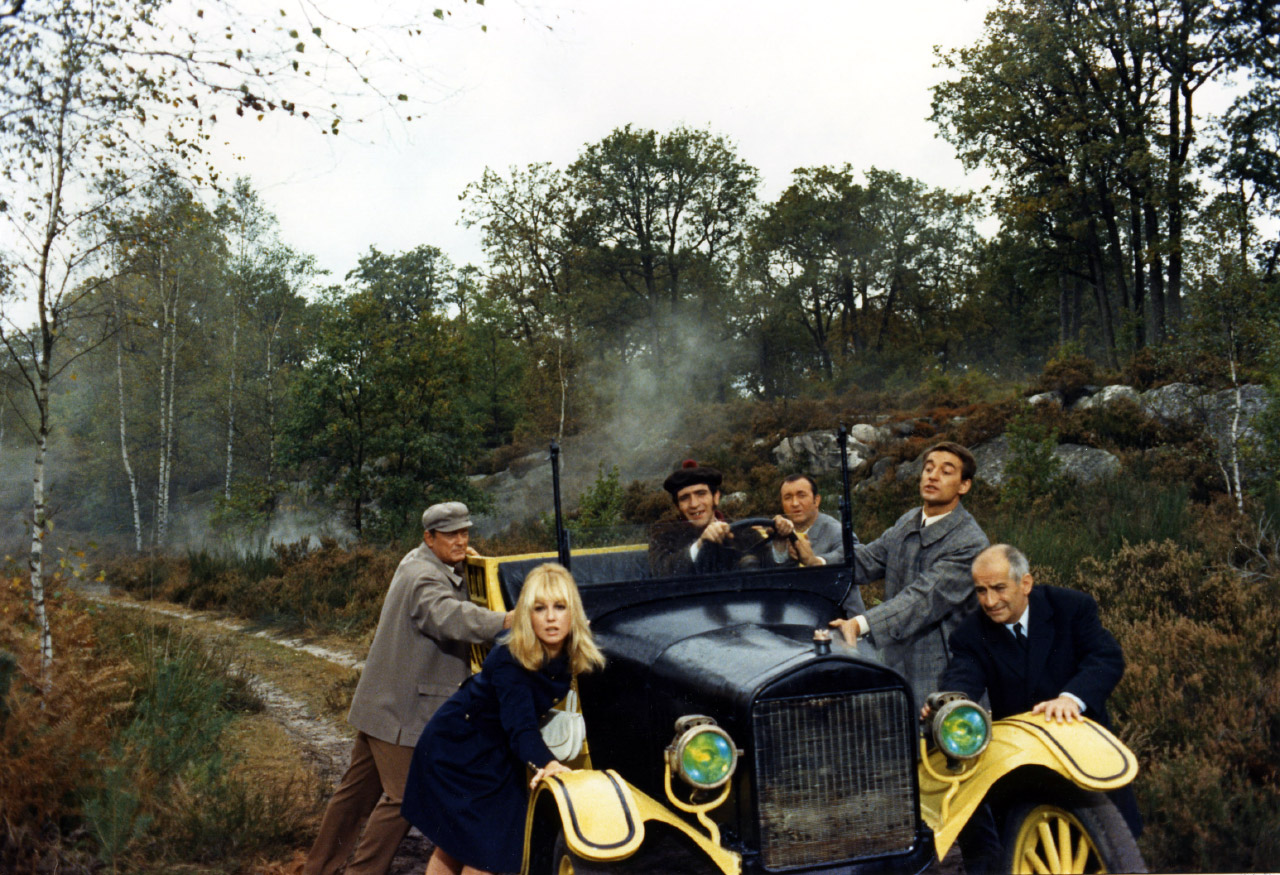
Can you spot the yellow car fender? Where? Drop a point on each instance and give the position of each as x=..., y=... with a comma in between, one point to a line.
x=1081, y=751
x=603, y=818
x=598, y=813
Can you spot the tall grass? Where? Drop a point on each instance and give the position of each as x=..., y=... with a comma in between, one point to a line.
x=1097, y=522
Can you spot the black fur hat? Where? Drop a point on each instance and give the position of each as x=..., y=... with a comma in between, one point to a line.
x=690, y=473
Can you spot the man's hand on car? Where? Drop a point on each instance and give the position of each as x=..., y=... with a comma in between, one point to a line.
x=715, y=532
x=848, y=628
x=1063, y=709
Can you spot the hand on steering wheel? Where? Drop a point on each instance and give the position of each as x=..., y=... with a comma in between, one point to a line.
x=750, y=535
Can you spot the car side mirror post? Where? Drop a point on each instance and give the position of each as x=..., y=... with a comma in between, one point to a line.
x=846, y=503
x=562, y=535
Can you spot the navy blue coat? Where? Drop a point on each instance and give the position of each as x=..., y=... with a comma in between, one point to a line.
x=467, y=790
x=1068, y=652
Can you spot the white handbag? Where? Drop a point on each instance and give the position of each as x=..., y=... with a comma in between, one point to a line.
x=564, y=730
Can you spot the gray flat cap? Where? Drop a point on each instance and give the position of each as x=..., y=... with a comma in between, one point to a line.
x=448, y=516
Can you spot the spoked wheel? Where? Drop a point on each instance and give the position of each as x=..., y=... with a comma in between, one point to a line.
x=660, y=855
x=1082, y=835
x=566, y=862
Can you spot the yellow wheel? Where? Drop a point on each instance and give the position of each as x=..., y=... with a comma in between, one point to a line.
x=1083, y=834
x=1052, y=840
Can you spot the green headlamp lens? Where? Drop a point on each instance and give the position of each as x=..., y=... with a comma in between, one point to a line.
x=964, y=732
x=707, y=759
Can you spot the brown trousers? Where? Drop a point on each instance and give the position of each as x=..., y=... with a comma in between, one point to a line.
x=372, y=788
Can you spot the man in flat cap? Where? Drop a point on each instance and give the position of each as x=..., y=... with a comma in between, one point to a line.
x=419, y=657
x=697, y=541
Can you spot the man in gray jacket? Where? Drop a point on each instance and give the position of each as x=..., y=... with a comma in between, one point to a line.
x=818, y=538
x=925, y=560
x=419, y=657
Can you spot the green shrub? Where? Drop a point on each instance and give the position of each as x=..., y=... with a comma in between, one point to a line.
x=174, y=723
x=1033, y=474
x=599, y=509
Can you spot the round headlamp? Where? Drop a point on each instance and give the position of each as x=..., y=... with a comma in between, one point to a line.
x=961, y=728
x=702, y=753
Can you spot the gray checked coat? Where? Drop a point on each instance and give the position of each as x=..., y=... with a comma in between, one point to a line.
x=420, y=655
x=928, y=590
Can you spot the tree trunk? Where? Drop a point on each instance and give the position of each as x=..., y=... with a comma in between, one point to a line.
x=1117, y=251
x=271, y=408
x=40, y=522
x=1180, y=135
x=1097, y=269
x=1151, y=231
x=231, y=400
x=124, y=444
x=564, y=389
x=1139, y=276
x=168, y=387
x=1064, y=308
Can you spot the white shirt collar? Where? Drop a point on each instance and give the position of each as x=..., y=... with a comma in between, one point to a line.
x=930, y=520
x=1024, y=621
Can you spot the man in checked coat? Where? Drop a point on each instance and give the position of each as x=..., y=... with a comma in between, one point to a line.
x=924, y=559
x=418, y=659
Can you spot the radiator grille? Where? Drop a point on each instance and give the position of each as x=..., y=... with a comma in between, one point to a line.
x=834, y=777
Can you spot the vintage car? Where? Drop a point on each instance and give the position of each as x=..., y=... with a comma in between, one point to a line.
x=725, y=735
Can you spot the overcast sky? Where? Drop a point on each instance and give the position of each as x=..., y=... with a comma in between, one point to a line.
x=792, y=85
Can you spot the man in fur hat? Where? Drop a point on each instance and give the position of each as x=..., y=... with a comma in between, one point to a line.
x=697, y=541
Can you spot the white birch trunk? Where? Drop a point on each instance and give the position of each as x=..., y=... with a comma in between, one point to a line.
x=169, y=303
x=167, y=437
x=1238, y=488
x=124, y=443
x=43, y=366
x=39, y=528
x=271, y=403
x=231, y=399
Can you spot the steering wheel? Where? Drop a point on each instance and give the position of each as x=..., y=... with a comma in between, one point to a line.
x=751, y=535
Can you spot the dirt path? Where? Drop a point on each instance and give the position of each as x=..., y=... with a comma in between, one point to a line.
x=323, y=742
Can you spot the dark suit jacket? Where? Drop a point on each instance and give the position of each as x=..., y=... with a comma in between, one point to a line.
x=669, y=542
x=1068, y=651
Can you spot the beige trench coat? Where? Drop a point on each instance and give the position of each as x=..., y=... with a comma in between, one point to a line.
x=419, y=656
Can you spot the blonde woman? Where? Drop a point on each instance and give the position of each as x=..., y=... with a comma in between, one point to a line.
x=466, y=787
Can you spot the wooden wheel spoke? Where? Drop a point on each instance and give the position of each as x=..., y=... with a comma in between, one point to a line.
x=1065, y=860
x=1047, y=844
x=1037, y=864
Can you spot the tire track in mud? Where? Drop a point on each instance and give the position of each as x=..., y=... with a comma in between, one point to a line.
x=324, y=748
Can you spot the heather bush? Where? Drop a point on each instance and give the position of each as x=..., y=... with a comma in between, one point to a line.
x=330, y=588
x=1199, y=703
x=1069, y=372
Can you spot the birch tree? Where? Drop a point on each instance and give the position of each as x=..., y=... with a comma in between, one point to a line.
x=90, y=92
x=266, y=315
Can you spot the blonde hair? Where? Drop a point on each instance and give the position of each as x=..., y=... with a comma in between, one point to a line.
x=552, y=582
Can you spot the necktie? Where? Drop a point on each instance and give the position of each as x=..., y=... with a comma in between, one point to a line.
x=1020, y=637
